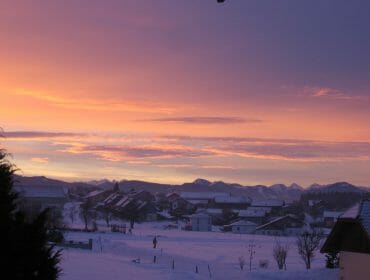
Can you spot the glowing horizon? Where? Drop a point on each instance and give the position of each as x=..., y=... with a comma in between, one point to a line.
x=246, y=92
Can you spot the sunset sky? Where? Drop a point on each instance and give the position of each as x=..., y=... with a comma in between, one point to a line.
x=249, y=91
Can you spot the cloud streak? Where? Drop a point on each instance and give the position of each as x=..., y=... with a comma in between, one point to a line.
x=331, y=93
x=214, y=147
x=205, y=120
x=40, y=159
x=120, y=153
x=280, y=149
x=14, y=135
x=131, y=147
x=91, y=104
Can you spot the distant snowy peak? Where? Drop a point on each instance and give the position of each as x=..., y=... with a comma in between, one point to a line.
x=99, y=182
x=202, y=182
x=279, y=187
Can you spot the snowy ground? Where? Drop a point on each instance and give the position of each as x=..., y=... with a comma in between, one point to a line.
x=113, y=258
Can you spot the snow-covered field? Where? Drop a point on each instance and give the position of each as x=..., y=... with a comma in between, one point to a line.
x=113, y=254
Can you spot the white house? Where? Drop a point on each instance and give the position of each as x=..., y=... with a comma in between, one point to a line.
x=200, y=222
x=243, y=227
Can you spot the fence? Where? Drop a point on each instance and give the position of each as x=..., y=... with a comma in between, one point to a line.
x=77, y=244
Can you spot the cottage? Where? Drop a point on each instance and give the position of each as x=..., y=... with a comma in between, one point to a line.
x=288, y=225
x=200, y=222
x=350, y=237
x=243, y=227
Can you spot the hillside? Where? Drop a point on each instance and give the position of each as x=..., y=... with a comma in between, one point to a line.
x=259, y=192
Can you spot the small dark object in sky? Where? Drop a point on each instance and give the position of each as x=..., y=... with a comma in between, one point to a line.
x=220, y=1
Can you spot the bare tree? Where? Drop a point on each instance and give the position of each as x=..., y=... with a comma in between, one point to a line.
x=308, y=242
x=280, y=253
x=251, y=252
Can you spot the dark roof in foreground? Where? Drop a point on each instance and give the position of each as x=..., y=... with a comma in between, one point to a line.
x=351, y=232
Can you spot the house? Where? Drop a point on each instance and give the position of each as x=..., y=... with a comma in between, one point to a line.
x=216, y=213
x=112, y=199
x=200, y=222
x=287, y=225
x=180, y=203
x=135, y=204
x=202, y=199
x=254, y=214
x=36, y=198
x=242, y=227
x=350, y=237
x=274, y=204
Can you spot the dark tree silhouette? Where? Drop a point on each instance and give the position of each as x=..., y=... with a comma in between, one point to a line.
x=116, y=187
x=87, y=212
x=25, y=252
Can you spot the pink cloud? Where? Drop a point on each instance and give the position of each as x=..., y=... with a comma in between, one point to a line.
x=40, y=159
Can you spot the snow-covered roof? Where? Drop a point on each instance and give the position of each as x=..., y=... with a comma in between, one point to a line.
x=199, y=215
x=41, y=191
x=276, y=220
x=165, y=214
x=123, y=202
x=202, y=195
x=171, y=194
x=214, y=211
x=94, y=193
x=111, y=198
x=243, y=223
x=332, y=214
x=230, y=199
x=360, y=211
x=252, y=213
x=262, y=208
x=352, y=212
x=196, y=201
x=268, y=203
x=142, y=204
x=365, y=215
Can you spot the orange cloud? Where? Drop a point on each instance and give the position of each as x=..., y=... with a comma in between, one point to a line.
x=112, y=105
x=40, y=159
